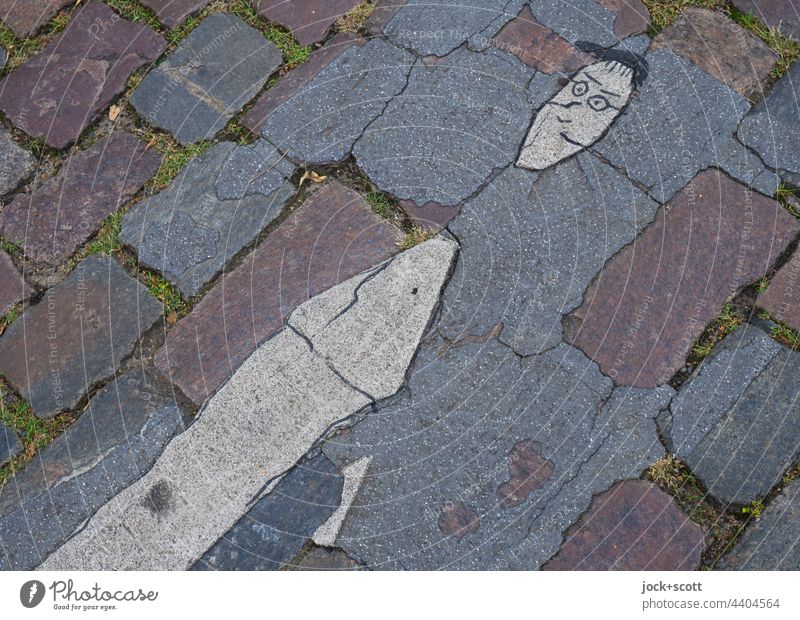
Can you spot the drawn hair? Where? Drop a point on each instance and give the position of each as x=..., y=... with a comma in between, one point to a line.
x=635, y=62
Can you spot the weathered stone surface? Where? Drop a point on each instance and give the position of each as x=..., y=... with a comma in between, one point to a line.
x=383, y=13
x=10, y=445
x=274, y=530
x=782, y=297
x=681, y=122
x=282, y=400
x=578, y=115
x=325, y=535
x=15, y=162
x=290, y=84
x=332, y=236
x=457, y=520
x=531, y=244
x=12, y=287
x=455, y=123
x=529, y=471
x=437, y=27
x=632, y=526
x=173, y=12
x=217, y=205
x=644, y=312
x=51, y=221
x=59, y=91
x=577, y=20
x=323, y=120
x=309, y=20
x=26, y=17
x=118, y=437
x=773, y=127
x=771, y=542
x=76, y=335
x=448, y=438
x=736, y=423
x=781, y=14
x=321, y=558
x=538, y=46
x=721, y=48
x=632, y=17
x=213, y=72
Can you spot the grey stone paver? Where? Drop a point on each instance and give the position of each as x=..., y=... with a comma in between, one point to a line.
x=771, y=543
x=77, y=335
x=772, y=127
x=213, y=72
x=15, y=163
x=172, y=12
x=272, y=533
x=113, y=442
x=577, y=20
x=736, y=423
x=216, y=206
x=269, y=414
x=453, y=125
x=10, y=445
x=13, y=288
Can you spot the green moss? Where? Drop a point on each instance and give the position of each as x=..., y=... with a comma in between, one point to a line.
x=164, y=291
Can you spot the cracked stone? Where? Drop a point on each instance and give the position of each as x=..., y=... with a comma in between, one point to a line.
x=115, y=439
x=383, y=13
x=172, y=12
x=76, y=336
x=63, y=88
x=736, y=423
x=54, y=219
x=284, y=90
x=578, y=20
x=309, y=20
x=16, y=163
x=322, y=558
x=781, y=14
x=772, y=127
x=24, y=18
x=437, y=27
x=770, y=543
x=632, y=526
x=210, y=76
x=331, y=237
x=271, y=534
x=10, y=445
x=321, y=122
x=681, y=122
x=447, y=439
x=538, y=46
x=455, y=123
x=652, y=301
x=12, y=287
x=277, y=405
x=720, y=47
x=531, y=244
x=214, y=208
x=782, y=297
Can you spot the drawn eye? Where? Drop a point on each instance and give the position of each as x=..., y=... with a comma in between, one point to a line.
x=598, y=103
x=579, y=88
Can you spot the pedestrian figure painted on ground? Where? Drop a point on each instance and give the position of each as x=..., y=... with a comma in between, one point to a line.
x=579, y=114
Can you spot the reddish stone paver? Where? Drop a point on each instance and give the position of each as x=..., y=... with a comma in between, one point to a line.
x=782, y=297
x=58, y=92
x=529, y=471
x=76, y=336
x=12, y=287
x=292, y=82
x=309, y=20
x=647, y=307
x=632, y=526
x=53, y=220
x=431, y=215
x=331, y=237
x=632, y=16
x=719, y=47
x=538, y=46
x=26, y=16
x=173, y=12
x=458, y=520
x=781, y=14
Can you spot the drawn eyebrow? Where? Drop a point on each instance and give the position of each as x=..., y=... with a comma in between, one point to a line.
x=606, y=92
x=596, y=81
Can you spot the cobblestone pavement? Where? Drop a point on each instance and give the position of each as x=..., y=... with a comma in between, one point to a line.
x=399, y=284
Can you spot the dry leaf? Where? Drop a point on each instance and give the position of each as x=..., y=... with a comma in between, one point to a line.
x=151, y=143
x=114, y=112
x=172, y=318
x=311, y=176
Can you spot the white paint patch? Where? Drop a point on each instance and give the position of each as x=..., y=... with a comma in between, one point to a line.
x=354, y=474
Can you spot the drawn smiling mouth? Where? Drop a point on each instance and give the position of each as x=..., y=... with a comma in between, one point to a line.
x=564, y=135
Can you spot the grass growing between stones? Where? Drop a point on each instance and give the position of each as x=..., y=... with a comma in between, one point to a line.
x=135, y=12
x=379, y=203
x=787, y=198
x=787, y=50
x=20, y=50
x=664, y=12
x=355, y=18
x=107, y=240
x=786, y=336
x=415, y=235
x=721, y=529
x=293, y=52
x=175, y=156
x=728, y=320
x=11, y=315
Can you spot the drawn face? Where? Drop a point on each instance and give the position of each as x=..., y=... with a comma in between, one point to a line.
x=577, y=115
